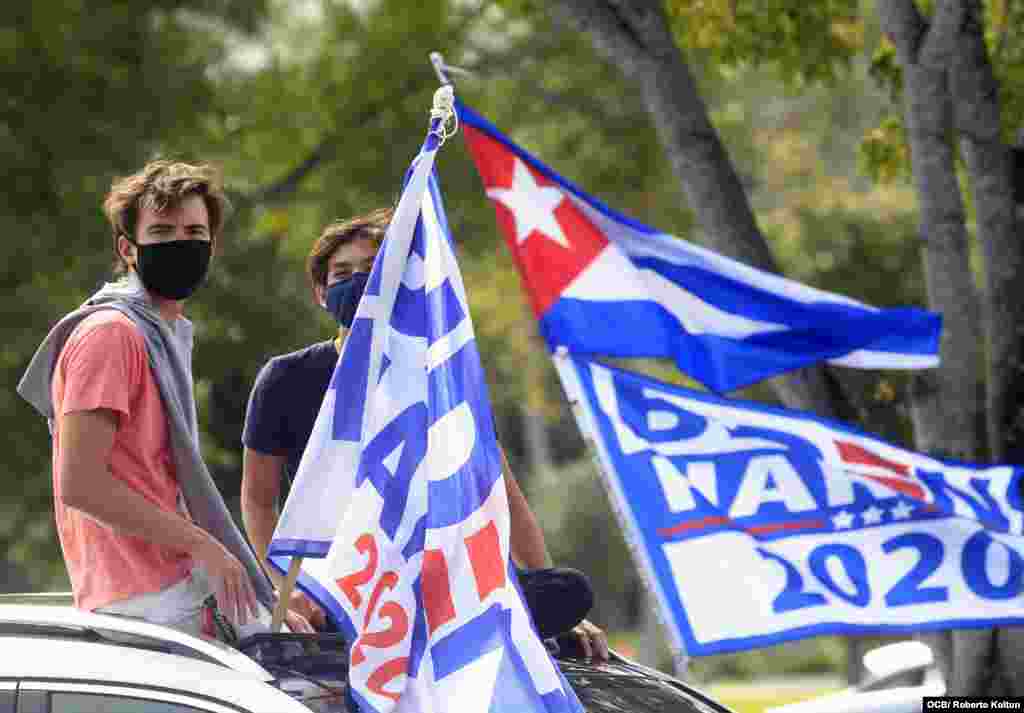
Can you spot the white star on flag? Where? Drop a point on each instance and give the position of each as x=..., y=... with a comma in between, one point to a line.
x=872, y=516
x=843, y=520
x=902, y=511
x=532, y=205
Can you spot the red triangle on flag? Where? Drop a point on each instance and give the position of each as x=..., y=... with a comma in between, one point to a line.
x=547, y=262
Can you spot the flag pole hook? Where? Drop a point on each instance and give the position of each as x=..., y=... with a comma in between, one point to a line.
x=443, y=110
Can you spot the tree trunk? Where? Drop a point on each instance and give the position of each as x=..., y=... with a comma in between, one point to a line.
x=948, y=403
x=989, y=168
x=948, y=408
x=991, y=662
x=635, y=36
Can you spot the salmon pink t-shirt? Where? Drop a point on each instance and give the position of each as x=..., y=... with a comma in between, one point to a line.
x=104, y=365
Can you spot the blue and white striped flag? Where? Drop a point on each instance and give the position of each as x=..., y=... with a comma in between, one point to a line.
x=603, y=284
x=399, y=504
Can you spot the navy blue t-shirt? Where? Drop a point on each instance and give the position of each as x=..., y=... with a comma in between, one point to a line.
x=285, y=401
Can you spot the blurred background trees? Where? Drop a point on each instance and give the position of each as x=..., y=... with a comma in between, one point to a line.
x=313, y=109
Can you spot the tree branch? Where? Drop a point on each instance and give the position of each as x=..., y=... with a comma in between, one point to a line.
x=941, y=40
x=509, y=64
x=989, y=168
x=903, y=25
x=1004, y=32
x=608, y=32
x=948, y=401
x=282, y=188
x=635, y=36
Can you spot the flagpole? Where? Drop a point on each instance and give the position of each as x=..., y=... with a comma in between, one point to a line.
x=440, y=69
x=445, y=71
x=680, y=658
x=441, y=112
x=285, y=594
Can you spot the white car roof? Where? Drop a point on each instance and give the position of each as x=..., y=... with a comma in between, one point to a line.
x=14, y=617
x=51, y=641
x=54, y=661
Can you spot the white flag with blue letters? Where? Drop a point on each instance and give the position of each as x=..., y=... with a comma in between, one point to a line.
x=758, y=525
x=399, y=504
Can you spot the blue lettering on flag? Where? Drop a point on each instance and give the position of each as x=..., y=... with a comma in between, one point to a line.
x=408, y=317
x=799, y=526
x=348, y=410
x=408, y=432
x=445, y=309
x=470, y=641
x=982, y=503
x=460, y=380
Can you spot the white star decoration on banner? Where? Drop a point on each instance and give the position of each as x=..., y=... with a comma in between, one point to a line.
x=532, y=205
x=901, y=511
x=843, y=520
x=872, y=516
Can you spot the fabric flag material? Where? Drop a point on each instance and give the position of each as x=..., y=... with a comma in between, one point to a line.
x=760, y=525
x=601, y=283
x=399, y=503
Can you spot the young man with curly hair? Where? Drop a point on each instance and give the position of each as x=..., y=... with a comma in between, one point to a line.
x=143, y=530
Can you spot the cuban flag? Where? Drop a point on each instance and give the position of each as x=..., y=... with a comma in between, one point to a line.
x=601, y=283
x=399, y=506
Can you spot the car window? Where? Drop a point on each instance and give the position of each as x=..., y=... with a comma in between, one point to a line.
x=6, y=697
x=104, y=703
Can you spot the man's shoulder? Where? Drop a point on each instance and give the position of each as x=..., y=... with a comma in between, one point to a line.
x=314, y=353
x=297, y=364
x=109, y=315
x=106, y=325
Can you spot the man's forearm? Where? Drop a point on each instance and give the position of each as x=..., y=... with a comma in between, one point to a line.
x=260, y=521
x=110, y=501
x=527, y=538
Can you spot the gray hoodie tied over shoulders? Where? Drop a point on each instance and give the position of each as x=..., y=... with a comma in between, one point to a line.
x=169, y=349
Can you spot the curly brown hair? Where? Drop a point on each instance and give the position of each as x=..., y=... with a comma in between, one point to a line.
x=161, y=185
x=371, y=226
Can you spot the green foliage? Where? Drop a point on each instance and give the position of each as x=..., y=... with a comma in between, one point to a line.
x=90, y=91
x=94, y=89
x=876, y=260
x=884, y=151
x=816, y=656
x=806, y=42
x=582, y=531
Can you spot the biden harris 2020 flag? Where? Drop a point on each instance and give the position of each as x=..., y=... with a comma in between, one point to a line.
x=603, y=284
x=399, y=505
x=758, y=525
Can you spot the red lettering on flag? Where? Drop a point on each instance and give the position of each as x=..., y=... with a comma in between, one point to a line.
x=437, y=593
x=387, y=673
x=485, y=556
x=852, y=453
x=900, y=480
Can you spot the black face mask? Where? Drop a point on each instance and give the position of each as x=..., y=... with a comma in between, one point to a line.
x=343, y=297
x=173, y=270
